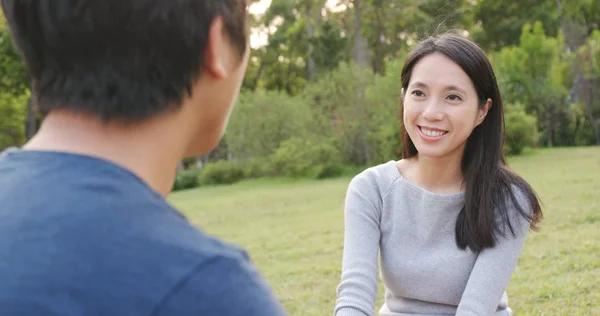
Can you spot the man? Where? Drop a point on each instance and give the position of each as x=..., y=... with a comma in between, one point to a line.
x=128, y=89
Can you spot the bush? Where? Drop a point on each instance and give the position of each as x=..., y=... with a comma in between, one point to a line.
x=13, y=114
x=220, y=172
x=327, y=171
x=583, y=132
x=262, y=120
x=257, y=168
x=385, y=99
x=187, y=179
x=342, y=112
x=299, y=157
x=521, y=129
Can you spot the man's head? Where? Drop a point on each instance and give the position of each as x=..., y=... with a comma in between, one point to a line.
x=135, y=60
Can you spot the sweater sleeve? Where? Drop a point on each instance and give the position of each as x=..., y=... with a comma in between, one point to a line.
x=358, y=287
x=493, y=270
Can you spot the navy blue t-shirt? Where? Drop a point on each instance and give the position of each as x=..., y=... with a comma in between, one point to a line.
x=82, y=236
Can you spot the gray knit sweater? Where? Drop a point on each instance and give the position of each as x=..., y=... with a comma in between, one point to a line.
x=411, y=230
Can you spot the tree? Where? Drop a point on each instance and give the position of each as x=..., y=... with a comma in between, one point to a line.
x=15, y=122
x=500, y=22
x=533, y=74
x=589, y=56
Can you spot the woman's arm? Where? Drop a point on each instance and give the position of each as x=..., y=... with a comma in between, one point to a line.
x=492, y=271
x=358, y=288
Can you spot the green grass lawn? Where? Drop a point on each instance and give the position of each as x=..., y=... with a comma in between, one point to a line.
x=294, y=233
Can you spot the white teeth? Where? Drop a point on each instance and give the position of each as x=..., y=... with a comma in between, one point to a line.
x=432, y=133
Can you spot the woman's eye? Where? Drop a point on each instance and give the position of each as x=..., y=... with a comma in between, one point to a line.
x=418, y=93
x=454, y=97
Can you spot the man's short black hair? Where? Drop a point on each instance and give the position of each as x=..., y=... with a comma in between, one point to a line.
x=123, y=60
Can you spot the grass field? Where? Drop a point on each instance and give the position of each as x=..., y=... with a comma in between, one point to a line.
x=294, y=233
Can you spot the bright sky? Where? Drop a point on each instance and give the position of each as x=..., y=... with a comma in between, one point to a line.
x=258, y=38
x=260, y=7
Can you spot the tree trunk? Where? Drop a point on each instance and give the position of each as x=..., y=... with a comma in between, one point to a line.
x=288, y=83
x=378, y=63
x=549, y=130
x=597, y=129
x=258, y=74
x=583, y=88
x=360, y=47
x=310, y=32
x=591, y=96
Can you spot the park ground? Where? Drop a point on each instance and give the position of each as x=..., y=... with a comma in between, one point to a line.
x=293, y=230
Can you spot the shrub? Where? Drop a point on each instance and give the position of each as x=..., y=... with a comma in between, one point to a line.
x=327, y=171
x=521, y=129
x=221, y=172
x=257, y=168
x=187, y=179
x=299, y=157
x=582, y=130
x=262, y=120
x=13, y=114
x=342, y=112
x=384, y=98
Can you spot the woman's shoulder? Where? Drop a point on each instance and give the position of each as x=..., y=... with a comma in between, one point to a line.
x=379, y=178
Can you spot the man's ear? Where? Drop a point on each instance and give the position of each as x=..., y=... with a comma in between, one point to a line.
x=215, y=59
x=483, y=111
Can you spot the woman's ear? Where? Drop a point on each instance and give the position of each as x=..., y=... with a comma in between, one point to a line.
x=483, y=111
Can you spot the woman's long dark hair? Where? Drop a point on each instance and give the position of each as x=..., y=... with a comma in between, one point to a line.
x=490, y=184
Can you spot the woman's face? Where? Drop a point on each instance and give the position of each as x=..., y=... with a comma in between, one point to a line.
x=441, y=107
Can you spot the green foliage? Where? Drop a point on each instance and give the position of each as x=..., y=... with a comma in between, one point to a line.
x=582, y=131
x=330, y=47
x=521, y=129
x=262, y=120
x=14, y=93
x=300, y=157
x=13, y=75
x=384, y=98
x=501, y=22
x=509, y=65
x=13, y=113
x=593, y=55
x=338, y=101
x=535, y=74
x=328, y=171
x=221, y=172
x=258, y=167
x=187, y=179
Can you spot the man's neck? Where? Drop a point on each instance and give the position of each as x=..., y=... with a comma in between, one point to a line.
x=150, y=151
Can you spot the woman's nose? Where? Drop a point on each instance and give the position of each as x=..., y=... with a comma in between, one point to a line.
x=433, y=111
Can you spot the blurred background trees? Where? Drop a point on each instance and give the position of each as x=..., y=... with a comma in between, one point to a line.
x=323, y=82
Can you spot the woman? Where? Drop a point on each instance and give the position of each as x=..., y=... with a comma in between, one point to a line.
x=449, y=220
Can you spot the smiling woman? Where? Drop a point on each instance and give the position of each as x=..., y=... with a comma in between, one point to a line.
x=441, y=108
x=449, y=220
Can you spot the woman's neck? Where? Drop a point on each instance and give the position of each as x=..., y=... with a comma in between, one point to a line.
x=439, y=175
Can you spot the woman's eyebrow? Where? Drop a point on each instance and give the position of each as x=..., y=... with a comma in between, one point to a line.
x=447, y=88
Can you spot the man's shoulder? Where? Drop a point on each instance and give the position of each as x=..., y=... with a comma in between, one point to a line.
x=212, y=276
x=223, y=285
x=133, y=249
